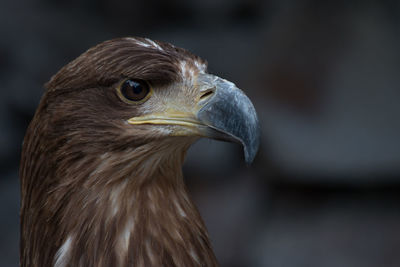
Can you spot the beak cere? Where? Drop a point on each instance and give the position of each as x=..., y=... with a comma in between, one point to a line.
x=230, y=112
x=224, y=113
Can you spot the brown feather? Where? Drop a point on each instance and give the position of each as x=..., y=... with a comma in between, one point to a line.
x=115, y=195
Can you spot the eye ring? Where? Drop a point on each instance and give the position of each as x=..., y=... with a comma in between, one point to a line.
x=134, y=91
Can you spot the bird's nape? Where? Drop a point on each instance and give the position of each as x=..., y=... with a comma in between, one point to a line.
x=101, y=177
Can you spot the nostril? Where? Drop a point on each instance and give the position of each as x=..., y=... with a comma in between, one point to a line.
x=206, y=94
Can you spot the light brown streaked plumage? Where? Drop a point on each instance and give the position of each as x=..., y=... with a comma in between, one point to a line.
x=102, y=184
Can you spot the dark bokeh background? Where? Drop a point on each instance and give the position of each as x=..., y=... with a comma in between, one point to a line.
x=324, y=77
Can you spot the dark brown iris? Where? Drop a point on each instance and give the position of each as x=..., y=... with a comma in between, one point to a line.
x=134, y=90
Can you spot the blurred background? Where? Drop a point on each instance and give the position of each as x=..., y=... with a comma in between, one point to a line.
x=324, y=77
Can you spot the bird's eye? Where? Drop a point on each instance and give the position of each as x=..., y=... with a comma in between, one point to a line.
x=134, y=90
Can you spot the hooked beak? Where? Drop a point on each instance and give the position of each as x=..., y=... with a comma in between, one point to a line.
x=223, y=112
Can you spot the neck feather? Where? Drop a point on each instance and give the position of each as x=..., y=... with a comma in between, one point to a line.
x=125, y=208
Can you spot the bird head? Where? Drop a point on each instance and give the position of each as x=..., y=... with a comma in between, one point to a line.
x=101, y=178
x=131, y=91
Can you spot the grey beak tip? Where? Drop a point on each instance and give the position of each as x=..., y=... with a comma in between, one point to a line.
x=231, y=112
x=251, y=146
x=250, y=154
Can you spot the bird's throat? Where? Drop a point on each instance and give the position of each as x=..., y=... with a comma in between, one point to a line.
x=133, y=213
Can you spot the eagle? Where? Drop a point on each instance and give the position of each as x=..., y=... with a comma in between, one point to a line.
x=101, y=163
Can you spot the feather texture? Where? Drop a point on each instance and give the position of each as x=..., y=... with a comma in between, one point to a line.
x=96, y=192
